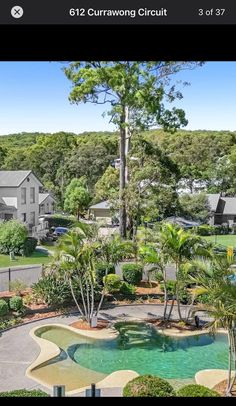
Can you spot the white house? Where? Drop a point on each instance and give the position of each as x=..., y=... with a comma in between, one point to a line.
x=46, y=203
x=101, y=210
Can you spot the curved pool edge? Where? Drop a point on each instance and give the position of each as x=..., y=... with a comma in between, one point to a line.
x=49, y=350
x=211, y=377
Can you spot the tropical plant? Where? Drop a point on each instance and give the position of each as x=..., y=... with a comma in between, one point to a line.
x=148, y=386
x=127, y=289
x=112, y=283
x=132, y=273
x=103, y=268
x=52, y=290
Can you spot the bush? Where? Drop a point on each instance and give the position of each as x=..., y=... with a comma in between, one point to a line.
x=204, y=298
x=132, y=273
x=170, y=287
x=60, y=221
x=3, y=308
x=17, y=286
x=24, y=393
x=101, y=268
x=29, y=246
x=205, y=230
x=127, y=289
x=51, y=290
x=13, y=235
x=113, y=283
x=195, y=391
x=148, y=386
x=16, y=303
x=10, y=323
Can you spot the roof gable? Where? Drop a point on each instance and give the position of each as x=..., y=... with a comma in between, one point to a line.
x=14, y=178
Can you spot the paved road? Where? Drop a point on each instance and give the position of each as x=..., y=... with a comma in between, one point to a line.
x=18, y=350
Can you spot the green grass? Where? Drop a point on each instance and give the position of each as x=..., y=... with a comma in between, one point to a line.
x=36, y=258
x=226, y=240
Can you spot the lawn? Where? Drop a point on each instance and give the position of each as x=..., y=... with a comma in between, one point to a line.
x=36, y=258
x=226, y=240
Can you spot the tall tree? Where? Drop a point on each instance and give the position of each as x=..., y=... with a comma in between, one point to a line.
x=77, y=197
x=136, y=93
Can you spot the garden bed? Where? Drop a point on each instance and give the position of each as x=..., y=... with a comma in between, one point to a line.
x=83, y=325
x=221, y=388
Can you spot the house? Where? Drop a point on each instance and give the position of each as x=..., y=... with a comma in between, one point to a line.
x=182, y=222
x=19, y=199
x=223, y=209
x=46, y=204
x=101, y=210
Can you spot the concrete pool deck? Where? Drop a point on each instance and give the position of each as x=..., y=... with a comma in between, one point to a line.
x=18, y=350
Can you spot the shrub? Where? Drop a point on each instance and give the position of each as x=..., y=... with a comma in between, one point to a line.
x=17, y=286
x=52, y=290
x=3, y=308
x=16, y=303
x=101, y=268
x=60, y=221
x=29, y=246
x=204, y=298
x=184, y=295
x=195, y=391
x=157, y=276
x=148, y=386
x=13, y=235
x=127, y=289
x=10, y=323
x=24, y=393
x=132, y=273
x=205, y=230
x=170, y=286
x=113, y=283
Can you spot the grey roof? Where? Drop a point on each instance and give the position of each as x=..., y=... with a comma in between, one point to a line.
x=213, y=200
x=10, y=201
x=181, y=221
x=102, y=205
x=12, y=178
x=43, y=196
x=230, y=205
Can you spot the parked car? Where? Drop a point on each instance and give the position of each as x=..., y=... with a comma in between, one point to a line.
x=60, y=231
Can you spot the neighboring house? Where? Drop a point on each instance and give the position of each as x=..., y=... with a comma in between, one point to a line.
x=46, y=204
x=223, y=209
x=101, y=210
x=182, y=222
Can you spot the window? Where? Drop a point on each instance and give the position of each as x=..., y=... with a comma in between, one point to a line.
x=32, y=218
x=42, y=208
x=32, y=195
x=23, y=195
x=23, y=217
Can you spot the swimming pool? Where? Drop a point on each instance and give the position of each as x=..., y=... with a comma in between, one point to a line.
x=139, y=347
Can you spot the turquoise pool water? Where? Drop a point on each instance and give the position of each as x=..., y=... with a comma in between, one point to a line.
x=143, y=350
x=139, y=347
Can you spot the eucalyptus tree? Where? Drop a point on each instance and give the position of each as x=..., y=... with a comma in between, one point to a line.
x=217, y=279
x=137, y=93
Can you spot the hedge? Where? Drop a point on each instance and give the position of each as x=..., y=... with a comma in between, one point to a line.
x=16, y=303
x=29, y=246
x=60, y=221
x=148, y=386
x=132, y=273
x=3, y=308
x=113, y=283
x=101, y=268
x=24, y=393
x=196, y=391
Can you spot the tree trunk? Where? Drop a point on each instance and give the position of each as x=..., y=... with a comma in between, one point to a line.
x=171, y=309
x=75, y=300
x=165, y=295
x=122, y=210
x=83, y=301
x=229, y=363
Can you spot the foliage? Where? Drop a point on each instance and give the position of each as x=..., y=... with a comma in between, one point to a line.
x=3, y=308
x=204, y=230
x=51, y=289
x=8, y=323
x=196, y=391
x=29, y=246
x=148, y=386
x=60, y=221
x=13, y=236
x=77, y=197
x=132, y=273
x=101, y=269
x=170, y=287
x=107, y=187
x=112, y=283
x=127, y=289
x=17, y=286
x=16, y=303
x=24, y=393
x=194, y=207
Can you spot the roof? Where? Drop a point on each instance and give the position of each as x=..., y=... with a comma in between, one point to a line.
x=230, y=205
x=102, y=205
x=10, y=201
x=43, y=196
x=181, y=221
x=213, y=200
x=13, y=178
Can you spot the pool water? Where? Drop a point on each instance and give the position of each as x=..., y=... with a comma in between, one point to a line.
x=139, y=347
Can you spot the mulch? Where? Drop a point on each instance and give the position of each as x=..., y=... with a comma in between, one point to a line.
x=83, y=325
x=221, y=388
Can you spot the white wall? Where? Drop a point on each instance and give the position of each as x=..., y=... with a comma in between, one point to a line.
x=47, y=206
x=28, y=207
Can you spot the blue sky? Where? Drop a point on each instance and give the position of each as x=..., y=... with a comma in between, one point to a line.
x=34, y=97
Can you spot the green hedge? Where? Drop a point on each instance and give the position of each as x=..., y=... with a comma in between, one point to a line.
x=16, y=303
x=196, y=391
x=148, y=386
x=13, y=236
x=127, y=289
x=60, y=221
x=132, y=273
x=24, y=393
x=101, y=268
x=29, y=246
x=113, y=283
x=3, y=308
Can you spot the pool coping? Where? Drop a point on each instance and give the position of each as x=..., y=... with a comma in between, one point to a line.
x=49, y=350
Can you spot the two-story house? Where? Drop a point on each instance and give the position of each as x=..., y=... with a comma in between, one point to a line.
x=19, y=197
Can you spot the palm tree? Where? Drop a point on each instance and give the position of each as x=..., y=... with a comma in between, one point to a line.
x=180, y=247
x=215, y=279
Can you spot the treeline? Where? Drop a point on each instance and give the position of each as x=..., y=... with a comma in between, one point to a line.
x=204, y=158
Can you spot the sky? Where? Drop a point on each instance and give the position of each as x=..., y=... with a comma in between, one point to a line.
x=34, y=98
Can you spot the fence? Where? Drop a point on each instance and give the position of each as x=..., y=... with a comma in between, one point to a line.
x=28, y=274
